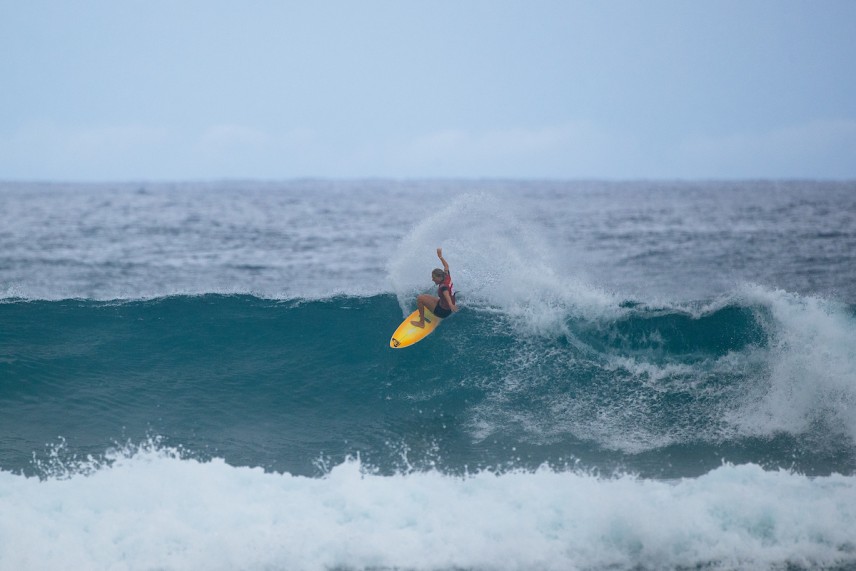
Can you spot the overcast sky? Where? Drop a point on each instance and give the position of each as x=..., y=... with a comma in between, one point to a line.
x=173, y=89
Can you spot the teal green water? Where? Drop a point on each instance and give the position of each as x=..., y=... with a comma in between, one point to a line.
x=294, y=385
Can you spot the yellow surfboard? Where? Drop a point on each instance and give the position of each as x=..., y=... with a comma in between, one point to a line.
x=407, y=334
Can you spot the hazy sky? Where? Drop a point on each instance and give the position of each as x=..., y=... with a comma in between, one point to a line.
x=172, y=89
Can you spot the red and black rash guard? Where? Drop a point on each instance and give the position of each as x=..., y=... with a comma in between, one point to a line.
x=446, y=285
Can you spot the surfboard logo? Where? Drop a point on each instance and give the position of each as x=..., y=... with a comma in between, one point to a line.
x=395, y=342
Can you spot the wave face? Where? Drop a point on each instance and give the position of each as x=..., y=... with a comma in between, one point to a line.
x=642, y=376
x=281, y=384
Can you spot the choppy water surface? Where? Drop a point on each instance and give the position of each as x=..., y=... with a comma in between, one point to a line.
x=643, y=375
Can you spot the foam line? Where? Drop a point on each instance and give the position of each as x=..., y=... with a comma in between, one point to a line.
x=152, y=509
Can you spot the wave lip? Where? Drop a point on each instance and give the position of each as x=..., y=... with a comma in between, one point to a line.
x=153, y=508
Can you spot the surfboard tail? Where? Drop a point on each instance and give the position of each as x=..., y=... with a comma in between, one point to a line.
x=408, y=334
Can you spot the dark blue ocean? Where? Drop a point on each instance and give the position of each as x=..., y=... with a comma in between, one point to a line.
x=643, y=375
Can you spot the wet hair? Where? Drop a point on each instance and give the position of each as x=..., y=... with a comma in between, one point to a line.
x=438, y=273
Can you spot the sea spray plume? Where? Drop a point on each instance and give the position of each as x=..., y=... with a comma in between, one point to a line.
x=501, y=262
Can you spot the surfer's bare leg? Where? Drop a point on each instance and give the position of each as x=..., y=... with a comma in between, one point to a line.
x=423, y=301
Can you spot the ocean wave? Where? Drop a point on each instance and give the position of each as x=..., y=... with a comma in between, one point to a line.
x=766, y=376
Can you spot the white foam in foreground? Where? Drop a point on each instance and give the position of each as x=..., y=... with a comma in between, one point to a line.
x=153, y=510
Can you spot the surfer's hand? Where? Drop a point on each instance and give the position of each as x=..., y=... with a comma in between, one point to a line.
x=454, y=308
x=440, y=253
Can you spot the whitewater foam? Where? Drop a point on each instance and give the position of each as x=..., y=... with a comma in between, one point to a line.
x=811, y=373
x=153, y=508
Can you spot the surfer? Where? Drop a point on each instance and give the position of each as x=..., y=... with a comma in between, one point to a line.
x=443, y=304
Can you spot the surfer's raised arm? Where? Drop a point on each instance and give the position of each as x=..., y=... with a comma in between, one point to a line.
x=446, y=293
x=442, y=259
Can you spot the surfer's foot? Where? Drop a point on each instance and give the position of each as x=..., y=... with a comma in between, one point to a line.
x=419, y=324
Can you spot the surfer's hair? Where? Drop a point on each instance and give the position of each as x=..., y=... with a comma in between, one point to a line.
x=438, y=273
